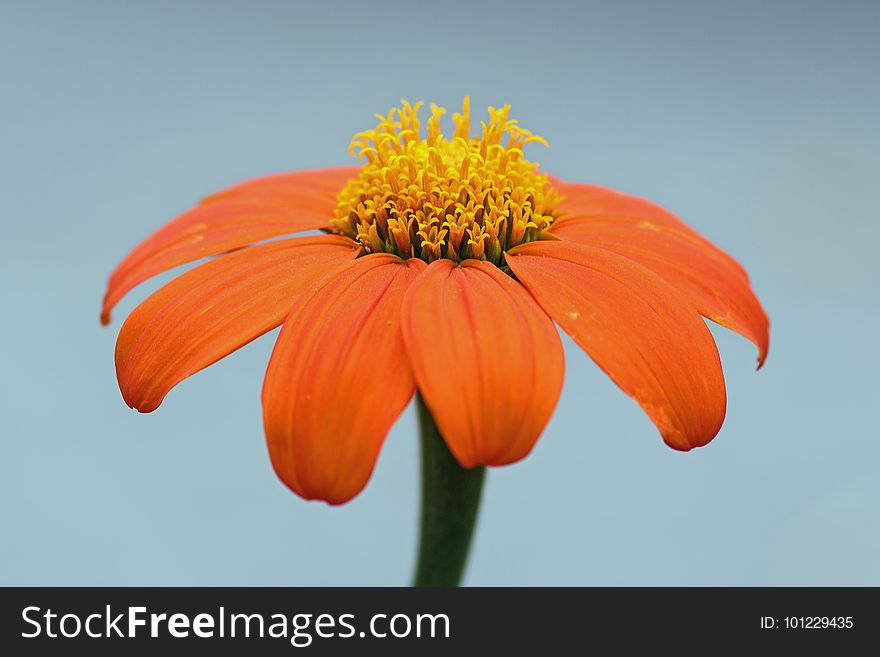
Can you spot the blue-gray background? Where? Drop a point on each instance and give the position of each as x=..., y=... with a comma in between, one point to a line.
x=756, y=122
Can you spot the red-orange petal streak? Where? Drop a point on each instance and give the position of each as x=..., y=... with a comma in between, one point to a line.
x=338, y=379
x=643, y=333
x=488, y=361
x=244, y=214
x=214, y=309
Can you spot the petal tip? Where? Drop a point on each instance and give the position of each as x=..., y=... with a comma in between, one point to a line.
x=144, y=407
x=681, y=442
x=762, y=358
x=327, y=493
x=135, y=398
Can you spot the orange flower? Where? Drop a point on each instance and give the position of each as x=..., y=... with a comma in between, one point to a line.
x=443, y=264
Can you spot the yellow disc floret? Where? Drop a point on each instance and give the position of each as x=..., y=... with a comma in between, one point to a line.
x=430, y=198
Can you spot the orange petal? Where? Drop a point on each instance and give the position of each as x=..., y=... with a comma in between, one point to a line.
x=338, y=379
x=212, y=310
x=712, y=287
x=287, y=188
x=244, y=214
x=488, y=361
x=600, y=203
x=643, y=333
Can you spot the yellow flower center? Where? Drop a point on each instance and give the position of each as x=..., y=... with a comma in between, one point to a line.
x=466, y=197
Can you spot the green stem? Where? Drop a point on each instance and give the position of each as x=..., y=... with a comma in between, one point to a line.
x=450, y=500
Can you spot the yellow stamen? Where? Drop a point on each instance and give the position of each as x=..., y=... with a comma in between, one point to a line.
x=468, y=197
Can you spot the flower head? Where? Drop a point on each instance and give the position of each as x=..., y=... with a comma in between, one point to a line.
x=435, y=198
x=443, y=266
